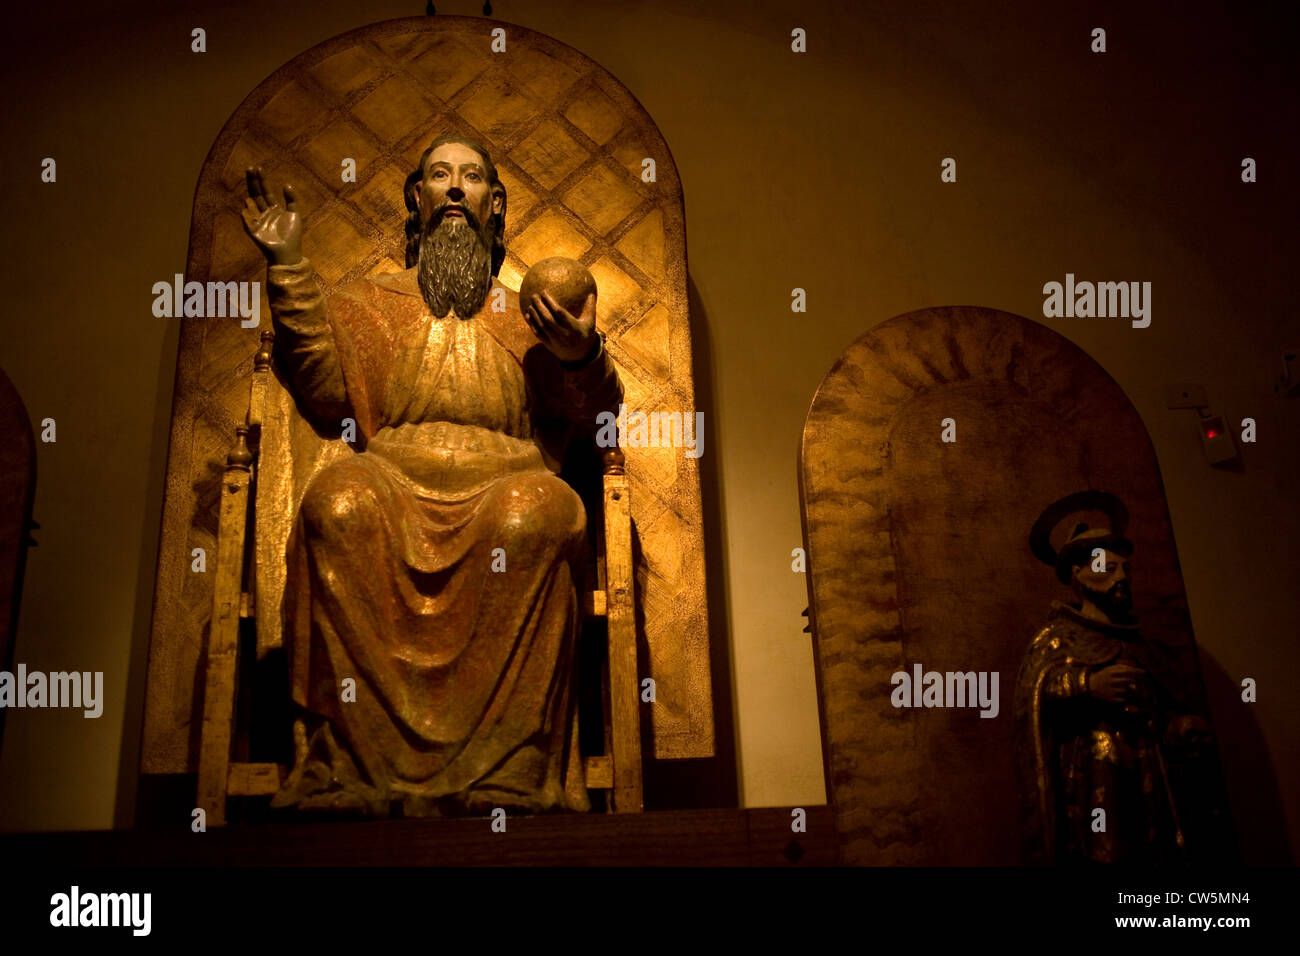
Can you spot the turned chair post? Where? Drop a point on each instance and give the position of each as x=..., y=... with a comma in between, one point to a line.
x=620, y=617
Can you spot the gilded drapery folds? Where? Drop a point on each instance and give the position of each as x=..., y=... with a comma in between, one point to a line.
x=1078, y=755
x=438, y=565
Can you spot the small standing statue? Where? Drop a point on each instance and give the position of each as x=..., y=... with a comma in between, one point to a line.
x=1091, y=722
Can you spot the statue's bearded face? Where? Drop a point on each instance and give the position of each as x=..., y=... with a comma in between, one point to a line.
x=456, y=205
x=1108, y=589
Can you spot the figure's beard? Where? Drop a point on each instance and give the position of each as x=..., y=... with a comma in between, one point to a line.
x=1116, y=601
x=454, y=268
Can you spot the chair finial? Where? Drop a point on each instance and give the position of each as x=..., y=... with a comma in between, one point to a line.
x=613, y=459
x=262, y=360
x=240, y=456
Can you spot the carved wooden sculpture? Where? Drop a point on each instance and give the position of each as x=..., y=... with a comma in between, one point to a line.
x=568, y=142
x=1097, y=731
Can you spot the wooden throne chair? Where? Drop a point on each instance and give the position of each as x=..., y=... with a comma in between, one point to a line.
x=918, y=552
x=571, y=145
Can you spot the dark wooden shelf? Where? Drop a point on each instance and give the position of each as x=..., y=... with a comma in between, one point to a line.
x=727, y=837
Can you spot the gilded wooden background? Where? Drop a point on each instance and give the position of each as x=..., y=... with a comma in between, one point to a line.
x=918, y=551
x=568, y=141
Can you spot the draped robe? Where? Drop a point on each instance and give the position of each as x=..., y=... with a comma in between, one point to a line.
x=438, y=565
x=1077, y=754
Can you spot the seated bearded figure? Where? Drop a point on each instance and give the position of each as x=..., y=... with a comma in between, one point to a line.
x=438, y=565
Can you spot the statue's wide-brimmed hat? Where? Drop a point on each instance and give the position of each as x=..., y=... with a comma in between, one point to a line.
x=1104, y=527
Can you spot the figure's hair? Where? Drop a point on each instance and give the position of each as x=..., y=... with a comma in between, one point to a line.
x=413, y=224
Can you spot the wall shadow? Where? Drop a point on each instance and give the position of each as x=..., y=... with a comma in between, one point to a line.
x=1255, y=801
x=710, y=781
x=128, y=765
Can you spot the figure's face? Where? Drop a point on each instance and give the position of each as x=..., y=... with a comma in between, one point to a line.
x=455, y=182
x=1108, y=589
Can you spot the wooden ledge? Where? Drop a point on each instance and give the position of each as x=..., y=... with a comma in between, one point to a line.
x=760, y=837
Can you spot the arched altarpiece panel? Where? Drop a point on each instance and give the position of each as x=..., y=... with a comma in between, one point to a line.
x=918, y=552
x=569, y=142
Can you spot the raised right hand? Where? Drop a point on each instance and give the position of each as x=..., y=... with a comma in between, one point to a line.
x=276, y=229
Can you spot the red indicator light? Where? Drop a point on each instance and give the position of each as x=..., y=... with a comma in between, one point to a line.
x=1217, y=440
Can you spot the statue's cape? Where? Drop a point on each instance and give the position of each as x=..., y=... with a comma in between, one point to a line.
x=1067, y=638
x=507, y=327
x=367, y=317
